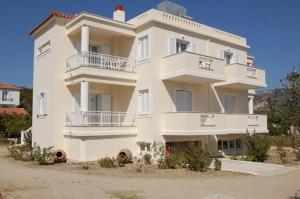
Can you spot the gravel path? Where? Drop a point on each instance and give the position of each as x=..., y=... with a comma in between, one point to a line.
x=20, y=181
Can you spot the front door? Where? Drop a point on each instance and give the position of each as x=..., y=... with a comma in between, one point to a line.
x=183, y=101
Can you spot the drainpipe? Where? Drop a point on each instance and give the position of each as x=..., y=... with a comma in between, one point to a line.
x=217, y=97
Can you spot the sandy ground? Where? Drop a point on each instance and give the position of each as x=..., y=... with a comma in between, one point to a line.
x=22, y=180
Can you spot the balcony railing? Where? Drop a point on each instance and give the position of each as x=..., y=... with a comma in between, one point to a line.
x=101, y=61
x=97, y=118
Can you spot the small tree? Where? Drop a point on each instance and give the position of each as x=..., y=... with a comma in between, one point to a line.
x=257, y=147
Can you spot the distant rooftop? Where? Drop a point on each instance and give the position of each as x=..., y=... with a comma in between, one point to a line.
x=8, y=86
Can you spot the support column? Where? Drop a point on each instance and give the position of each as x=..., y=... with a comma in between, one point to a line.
x=250, y=104
x=84, y=96
x=85, y=37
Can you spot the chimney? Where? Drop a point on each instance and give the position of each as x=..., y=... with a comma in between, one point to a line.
x=119, y=13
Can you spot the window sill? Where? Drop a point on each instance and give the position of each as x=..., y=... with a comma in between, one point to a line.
x=43, y=54
x=39, y=116
x=144, y=115
x=143, y=61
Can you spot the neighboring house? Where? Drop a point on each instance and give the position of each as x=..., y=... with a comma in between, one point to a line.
x=9, y=95
x=101, y=85
x=17, y=111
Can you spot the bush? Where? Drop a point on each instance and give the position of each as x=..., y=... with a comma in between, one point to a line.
x=168, y=163
x=147, y=158
x=197, y=159
x=283, y=155
x=296, y=146
x=218, y=165
x=21, y=152
x=44, y=156
x=257, y=147
x=107, y=162
x=13, y=124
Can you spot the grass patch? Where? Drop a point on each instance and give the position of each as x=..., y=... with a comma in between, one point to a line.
x=125, y=195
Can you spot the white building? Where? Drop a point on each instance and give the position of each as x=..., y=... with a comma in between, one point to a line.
x=9, y=95
x=101, y=84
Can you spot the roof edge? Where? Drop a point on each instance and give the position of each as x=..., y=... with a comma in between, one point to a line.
x=52, y=14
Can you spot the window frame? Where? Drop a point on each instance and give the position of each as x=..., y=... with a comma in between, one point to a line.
x=143, y=52
x=141, y=100
x=46, y=45
x=42, y=104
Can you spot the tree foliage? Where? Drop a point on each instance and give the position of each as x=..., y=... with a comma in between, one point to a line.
x=284, y=113
x=12, y=124
x=26, y=99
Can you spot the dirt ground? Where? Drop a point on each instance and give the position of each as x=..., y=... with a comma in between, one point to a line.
x=22, y=180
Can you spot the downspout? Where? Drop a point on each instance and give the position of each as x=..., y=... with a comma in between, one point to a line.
x=217, y=97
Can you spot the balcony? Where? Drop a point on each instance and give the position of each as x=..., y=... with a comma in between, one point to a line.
x=192, y=123
x=189, y=67
x=243, y=77
x=99, y=123
x=96, y=67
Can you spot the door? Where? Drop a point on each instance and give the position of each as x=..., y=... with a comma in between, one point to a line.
x=229, y=104
x=100, y=104
x=183, y=101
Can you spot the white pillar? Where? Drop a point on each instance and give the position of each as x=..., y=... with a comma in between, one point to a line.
x=250, y=104
x=85, y=37
x=84, y=96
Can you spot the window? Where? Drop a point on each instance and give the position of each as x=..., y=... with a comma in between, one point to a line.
x=231, y=144
x=229, y=104
x=228, y=57
x=225, y=144
x=143, y=101
x=143, y=48
x=42, y=106
x=4, y=95
x=238, y=143
x=44, y=48
x=183, y=101
x=181, y=45
x=220, y=145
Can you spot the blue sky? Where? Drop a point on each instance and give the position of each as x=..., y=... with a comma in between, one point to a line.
x=271, y=26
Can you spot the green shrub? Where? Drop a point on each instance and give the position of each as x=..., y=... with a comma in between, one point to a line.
x=168, y=163
x=21, y=152
x=218, y=165
x=197, y=159
x=107, y=162
x=281, y=141
x=296, y=146
x=44, y=156
x=257, y=147
x=283, y=155
x=147, y=158
x=120, y=162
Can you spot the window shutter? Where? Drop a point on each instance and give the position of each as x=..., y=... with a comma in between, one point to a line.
x=237, y=59
x=232, y=59
x=172, y=46
x=221, y=54
x=45, y=103
x=77, y=46
x=139, y=49
x=195, y=48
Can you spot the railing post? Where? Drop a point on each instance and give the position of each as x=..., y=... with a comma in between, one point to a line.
x=119, y=119
x=101, y=119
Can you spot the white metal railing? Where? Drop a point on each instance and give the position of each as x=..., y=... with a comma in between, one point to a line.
x=253, y=120
x=207, y=120
x=205, y=64
x=102, y=61
x=100, y=118
x=251, y=72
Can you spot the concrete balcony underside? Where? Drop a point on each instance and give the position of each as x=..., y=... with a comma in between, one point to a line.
x=97, y=75
x=96, y=131
x=192, y=68
x=189, y=124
